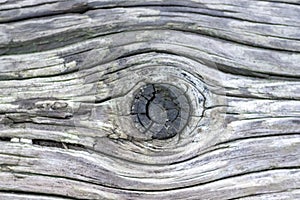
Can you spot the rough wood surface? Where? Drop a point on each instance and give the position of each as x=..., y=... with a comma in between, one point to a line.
x=69, y=73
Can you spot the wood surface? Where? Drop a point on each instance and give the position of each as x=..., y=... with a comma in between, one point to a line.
x=70, y=71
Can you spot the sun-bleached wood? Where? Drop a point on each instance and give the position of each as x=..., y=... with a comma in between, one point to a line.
x=69, y=72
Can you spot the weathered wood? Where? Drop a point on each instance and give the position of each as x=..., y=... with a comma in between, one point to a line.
x=70, y=71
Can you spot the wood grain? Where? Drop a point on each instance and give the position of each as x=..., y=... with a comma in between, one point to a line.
x=69, y=73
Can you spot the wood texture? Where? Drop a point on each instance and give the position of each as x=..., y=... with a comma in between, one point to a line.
x=69, y=73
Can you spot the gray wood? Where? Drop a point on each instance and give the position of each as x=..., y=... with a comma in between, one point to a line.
x=69, y=73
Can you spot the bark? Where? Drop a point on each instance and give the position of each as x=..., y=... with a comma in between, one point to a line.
x=71, y=74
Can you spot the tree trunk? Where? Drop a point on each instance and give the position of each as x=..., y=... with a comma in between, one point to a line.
x=153, y=99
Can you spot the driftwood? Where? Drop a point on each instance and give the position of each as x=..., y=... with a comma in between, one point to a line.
x=71, y=74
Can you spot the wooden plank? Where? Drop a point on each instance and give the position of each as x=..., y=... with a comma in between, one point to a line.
x=218, y=81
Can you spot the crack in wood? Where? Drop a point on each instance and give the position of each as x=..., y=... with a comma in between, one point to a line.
x=5, y=139
x=61, y=145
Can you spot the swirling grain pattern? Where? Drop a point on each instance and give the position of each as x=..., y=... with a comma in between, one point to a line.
x=154, y=99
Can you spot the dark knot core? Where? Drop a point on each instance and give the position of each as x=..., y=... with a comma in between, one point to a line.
x=158, y=110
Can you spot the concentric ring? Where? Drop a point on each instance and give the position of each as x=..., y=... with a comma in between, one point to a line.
x=160, y=110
